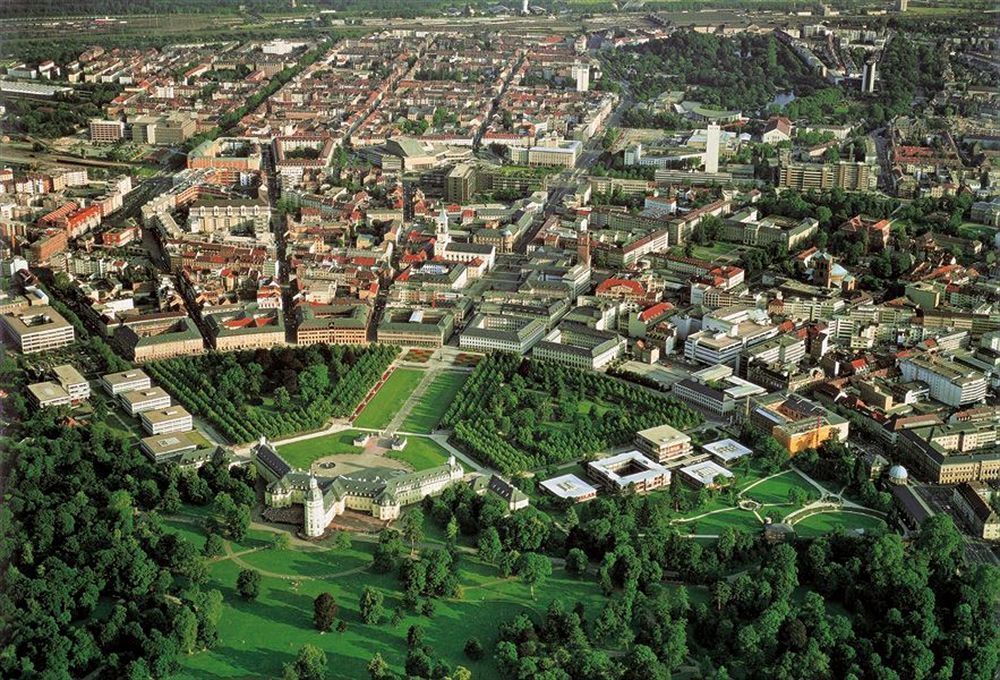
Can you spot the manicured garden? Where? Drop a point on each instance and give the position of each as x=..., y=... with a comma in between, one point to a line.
x=427, y=412
x=389, y=398
x=301, y=454
x=776, y=489
x=273, y=393
x=421, y=453
x=520, y=414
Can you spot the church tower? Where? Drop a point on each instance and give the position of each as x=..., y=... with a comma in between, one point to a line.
x=583, y=245
x=441, y=236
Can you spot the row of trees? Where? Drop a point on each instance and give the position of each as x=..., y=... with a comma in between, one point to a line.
x=307, y=386
x=517, y=414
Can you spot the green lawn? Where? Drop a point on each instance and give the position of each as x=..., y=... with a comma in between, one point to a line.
x=257, y=637
x=715, y=523
x=426, y=413
x=826, y=522
x=389, y=398
x=981, y=232
x=302, y=454
x=421, y=453
x=709, y=253
x=775, y=490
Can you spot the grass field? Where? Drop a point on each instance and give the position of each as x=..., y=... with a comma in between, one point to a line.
x=426, y=413
x=826, y=522
x=302, y=454
x=775, y=490
x=389, y=398
x=715, y=523
x=257, y=637
x=709, y=253
x=421, y=453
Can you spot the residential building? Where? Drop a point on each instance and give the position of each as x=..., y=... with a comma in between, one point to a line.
x=48, y=394
x=950, y=383
x=846, y=175
x=972, y=501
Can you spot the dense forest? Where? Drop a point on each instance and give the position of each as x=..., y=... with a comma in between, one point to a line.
x=744, y=72
x=836, y=607
x=92, y=581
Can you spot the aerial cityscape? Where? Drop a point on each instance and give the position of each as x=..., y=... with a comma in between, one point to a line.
x=541, y=340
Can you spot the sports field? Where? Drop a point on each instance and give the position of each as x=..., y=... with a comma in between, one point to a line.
x=426, y=413
x=390, y=398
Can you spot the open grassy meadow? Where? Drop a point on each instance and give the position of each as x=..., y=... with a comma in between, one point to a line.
x=258, y=637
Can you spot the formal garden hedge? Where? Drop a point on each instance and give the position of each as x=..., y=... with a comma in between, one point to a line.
x=518, y=414
x=273, y=393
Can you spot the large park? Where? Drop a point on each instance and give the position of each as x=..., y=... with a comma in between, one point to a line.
x=546, y=419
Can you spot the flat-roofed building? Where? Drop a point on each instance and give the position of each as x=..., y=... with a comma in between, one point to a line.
x=48, y=394
x=570, y=487
x=169, y=419
x=706, y=474
x=580, y=346
x=245, y=328
x=953, y=453
x=796, y=422
x=950, y=383
x=137, y=401
x=184, y=449
x=629, y=469
x=489, y=332
x=125, y=381
x=106, y=131
x=416, y=327
x=726, y=451
x=663, y=443
x=718, y=393
x=37, y=329
x=71, y=380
